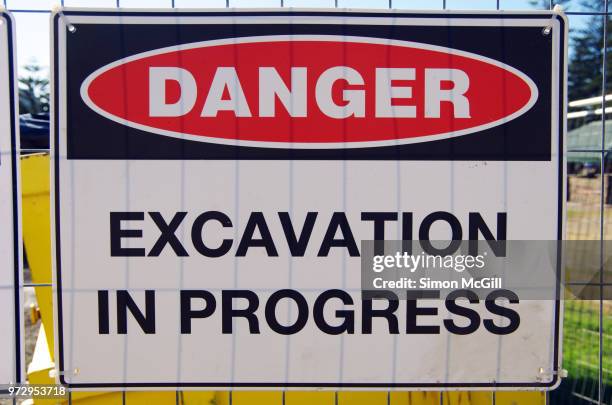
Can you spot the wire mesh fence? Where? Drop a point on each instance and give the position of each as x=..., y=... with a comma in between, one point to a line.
x=587, y=342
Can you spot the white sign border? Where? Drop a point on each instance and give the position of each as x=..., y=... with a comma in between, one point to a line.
x=64, y=17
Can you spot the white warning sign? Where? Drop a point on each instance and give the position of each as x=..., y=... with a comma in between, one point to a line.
x=218, y=176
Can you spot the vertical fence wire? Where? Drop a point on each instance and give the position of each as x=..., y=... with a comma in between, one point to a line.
x=600, y=394
x=493, y=394
x=441, y=396
x=177, y=394
x=123, y=393
x=14, y=400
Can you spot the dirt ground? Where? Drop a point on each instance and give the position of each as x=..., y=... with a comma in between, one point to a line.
x=584, y=209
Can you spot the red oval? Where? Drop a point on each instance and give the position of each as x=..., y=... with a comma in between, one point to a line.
x=497, y=93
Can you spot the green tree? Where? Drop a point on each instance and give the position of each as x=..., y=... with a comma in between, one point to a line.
x=586, y=54
x=585, y=67
x=586, y=49
x=33, y=90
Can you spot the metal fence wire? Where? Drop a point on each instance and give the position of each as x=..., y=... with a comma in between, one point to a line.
x=587, y=345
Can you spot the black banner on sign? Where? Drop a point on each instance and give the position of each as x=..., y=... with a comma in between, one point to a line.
x=506, y=112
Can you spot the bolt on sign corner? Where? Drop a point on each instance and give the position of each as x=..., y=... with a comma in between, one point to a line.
x=216, y=172
x=10, y=231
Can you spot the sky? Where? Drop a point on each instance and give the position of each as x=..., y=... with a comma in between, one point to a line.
x=33, y=28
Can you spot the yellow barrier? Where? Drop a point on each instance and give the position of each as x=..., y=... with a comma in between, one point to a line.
x=37, y=238
x=37, y=232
